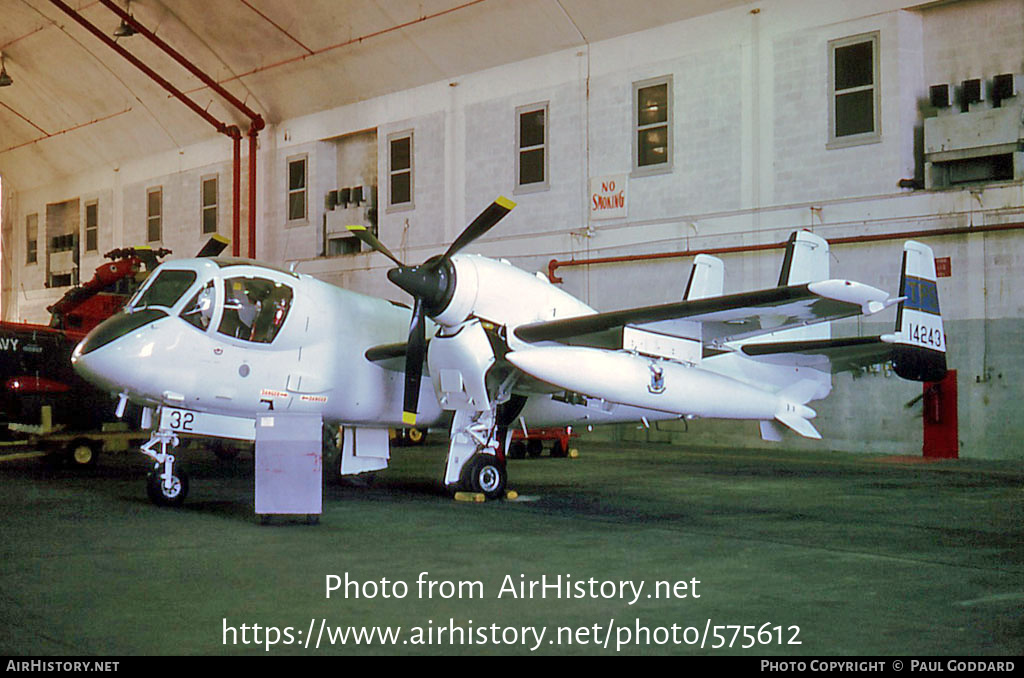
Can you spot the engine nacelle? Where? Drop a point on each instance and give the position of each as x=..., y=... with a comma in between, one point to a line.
x=500, y=293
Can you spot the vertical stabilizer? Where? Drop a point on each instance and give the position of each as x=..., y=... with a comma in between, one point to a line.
x=806, y=261
x=919, y=343
x=707, y=278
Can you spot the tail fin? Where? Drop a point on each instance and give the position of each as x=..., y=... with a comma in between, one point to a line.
x=707, y=278
x=919, y=344
x=806, y=259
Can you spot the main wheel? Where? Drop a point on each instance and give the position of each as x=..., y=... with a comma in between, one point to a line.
x=174, y=496
x=485, y=473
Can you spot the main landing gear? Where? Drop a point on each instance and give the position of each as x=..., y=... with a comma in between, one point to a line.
x=475, y=462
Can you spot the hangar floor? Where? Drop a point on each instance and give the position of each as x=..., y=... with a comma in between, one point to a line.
x=865, y=555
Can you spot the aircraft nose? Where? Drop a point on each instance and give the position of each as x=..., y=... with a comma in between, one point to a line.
x=115, y=327
x=104, y=368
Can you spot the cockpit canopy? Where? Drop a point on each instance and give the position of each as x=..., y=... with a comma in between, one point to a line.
x=245, y=306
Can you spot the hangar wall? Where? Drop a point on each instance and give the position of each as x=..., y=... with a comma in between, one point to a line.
x=752, y=159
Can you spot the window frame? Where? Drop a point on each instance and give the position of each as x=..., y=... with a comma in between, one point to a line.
x=411, y=170
x=159, y=216
x=544, y=146
x=214, y=206
x=93, y=227
x=661, y=167
x=875, y=135
x=32, y=239
x=304, y=190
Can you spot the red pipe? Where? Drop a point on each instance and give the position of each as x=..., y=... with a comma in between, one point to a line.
x=252, y=191
x=236, y=193
x=256, y=123
x=555, y=264
x=132, y=59
x=255, y=117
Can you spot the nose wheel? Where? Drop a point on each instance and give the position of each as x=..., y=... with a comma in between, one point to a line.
x=170, y=492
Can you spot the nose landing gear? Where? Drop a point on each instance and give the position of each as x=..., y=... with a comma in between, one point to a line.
x=165, y=485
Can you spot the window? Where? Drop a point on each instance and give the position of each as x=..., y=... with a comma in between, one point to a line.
x=165, y=290
x=254, y=308
x=154, y=214
x=340, y=246
x=199, y=311
x=297, y=189
x=853, y=91
x=32, y=239
x=208, y=200
x=92, y=226
x=532, y=147
x=400, y=170
x=652, y=120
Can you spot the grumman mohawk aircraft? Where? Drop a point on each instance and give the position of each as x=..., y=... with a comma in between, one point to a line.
x=210, y=344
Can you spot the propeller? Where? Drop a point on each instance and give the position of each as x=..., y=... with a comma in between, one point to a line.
x=431, y=285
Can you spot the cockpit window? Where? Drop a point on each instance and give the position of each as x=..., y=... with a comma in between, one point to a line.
x=166, y=289
x=254, y=308
x=199, y=311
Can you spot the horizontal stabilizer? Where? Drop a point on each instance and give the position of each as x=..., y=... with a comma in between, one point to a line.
x=795, y=421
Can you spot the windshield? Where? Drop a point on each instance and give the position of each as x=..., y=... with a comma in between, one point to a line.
x=165, y=290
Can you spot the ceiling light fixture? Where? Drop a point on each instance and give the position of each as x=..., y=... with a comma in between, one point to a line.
x=5, y=79
x=125, y=29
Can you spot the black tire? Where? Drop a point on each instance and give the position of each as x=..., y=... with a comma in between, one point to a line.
x=559, y=449
x=534, y=447
x=517, y=450
x=160, y=497
x=485, y=473
x=82, y=452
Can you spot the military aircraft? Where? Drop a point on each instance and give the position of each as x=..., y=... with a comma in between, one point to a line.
x=209, y=344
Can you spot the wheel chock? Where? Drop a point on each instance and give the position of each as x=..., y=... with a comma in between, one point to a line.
x=511, y=494
x=574, y=453
x=477, y=497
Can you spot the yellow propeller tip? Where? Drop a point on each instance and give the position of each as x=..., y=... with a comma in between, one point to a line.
x=505, y=202
x=409, y=418
x=356, y=227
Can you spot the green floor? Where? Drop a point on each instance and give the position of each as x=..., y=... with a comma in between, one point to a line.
x=845, y=554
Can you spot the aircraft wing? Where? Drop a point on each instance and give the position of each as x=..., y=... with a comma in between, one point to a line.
x=833, y=355
x=722, y=319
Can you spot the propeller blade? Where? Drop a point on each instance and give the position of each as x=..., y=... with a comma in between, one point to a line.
x=362, y=233
x=491, y=215
x=214, y=246
x=414, y=356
